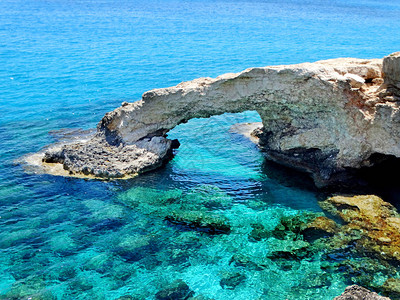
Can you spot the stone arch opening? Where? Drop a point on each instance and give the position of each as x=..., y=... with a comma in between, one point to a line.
x=224, y=139
x=322, y=118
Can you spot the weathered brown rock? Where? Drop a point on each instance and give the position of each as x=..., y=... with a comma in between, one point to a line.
x=373, y=224
x=320, y=227
x=356, y=292
x=323, y=118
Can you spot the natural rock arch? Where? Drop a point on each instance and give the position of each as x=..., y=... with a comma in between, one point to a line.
x=323, y=118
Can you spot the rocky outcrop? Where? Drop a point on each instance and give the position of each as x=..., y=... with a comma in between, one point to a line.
x=371, y=224
x=100, y=158
x=323, y=118
x=356, y=292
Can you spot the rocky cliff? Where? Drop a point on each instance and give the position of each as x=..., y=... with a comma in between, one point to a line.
x=324, y=118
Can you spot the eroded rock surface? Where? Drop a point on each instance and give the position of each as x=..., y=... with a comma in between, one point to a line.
x=356, y=292
x=323, y=118
x=372, y=224
x=102, y=159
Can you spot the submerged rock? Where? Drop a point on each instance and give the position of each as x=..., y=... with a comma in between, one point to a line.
x=203, y=197
x=259, y=232
x=199, y=221
x=32, y=288
x=200, y=209
x=324, y=118
x=356, y=292
x=295, y=227
x=66, y=273
x=100, y=263
x=372, y=224
x=391, y=288
x=81, y=283
x=320, y=227
x=288, y=250
x=231, y=280
x=137, y=196
x=178, y=290
x=364, y=271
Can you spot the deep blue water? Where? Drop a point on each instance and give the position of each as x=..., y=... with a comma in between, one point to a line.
x=64, y=64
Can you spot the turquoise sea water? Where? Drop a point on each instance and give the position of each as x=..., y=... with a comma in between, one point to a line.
x=64, y=64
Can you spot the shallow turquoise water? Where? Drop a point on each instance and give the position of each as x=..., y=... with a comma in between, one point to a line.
x=64, y=64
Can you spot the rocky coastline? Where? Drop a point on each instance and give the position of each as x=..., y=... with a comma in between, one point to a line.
x=329, y=119
x=326, y=118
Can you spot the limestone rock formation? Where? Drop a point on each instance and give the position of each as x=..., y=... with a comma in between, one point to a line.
x=323, y=118
x=391, y=69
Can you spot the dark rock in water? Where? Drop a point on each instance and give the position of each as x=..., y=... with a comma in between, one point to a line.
x=45, y=295
x=259, y=232
x=285, y=265
x=101, y=263
x=361, y=271
x=199, y=221
x=208, y=196
x=320, y=227
x=240, y=260
x=232, y=280
x=391, y=288
x=338, y=254
x=33, y=288
x=355, y=275
x=292, y=225
x=150, y=262
x=152, y=197
x=67, y=273
x=295, y=254
x=130, y=255
x=178, y=290
x=137, y=247
x=81, y=284
x=122, y=271
x=356, y=292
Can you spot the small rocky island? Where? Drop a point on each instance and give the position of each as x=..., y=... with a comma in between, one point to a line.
x=325, y=118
